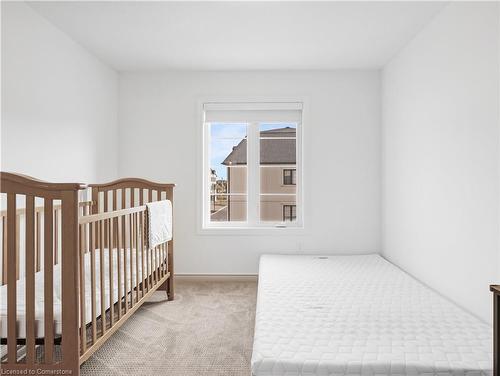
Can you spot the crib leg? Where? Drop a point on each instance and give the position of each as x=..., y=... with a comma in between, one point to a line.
x=170, y=281
x=170, y=287
x=164, y=287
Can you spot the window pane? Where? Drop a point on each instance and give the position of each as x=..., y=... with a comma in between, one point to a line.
x=228, y=208
x=228, y=169
x=278, y=208
x=278, y=180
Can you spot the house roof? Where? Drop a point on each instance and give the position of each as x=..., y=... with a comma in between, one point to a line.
x=274, y=148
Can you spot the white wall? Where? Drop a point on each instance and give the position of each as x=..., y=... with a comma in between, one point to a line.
x=59, y=103
x=440, y=143
x=159, y=134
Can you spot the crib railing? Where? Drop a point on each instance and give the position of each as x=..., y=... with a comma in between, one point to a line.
x=127, y=272
x=85, y=208
x=131, y=192
x=60, y=205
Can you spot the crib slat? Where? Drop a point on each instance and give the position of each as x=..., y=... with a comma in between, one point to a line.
x=132, y=197
x=131, y=244
x=124, y=194
x=163, y=259
x=93, y=280
x=158, y=252
x=143, y=256
x=101, y=275
x=158, y=262
x=48, y=273
x=83, y=308
x=148, y=267
x=155, y=262
x=38, y=243
x=164, y=271
x=155, y=252
x=106, y=209
x=11, y=279
x=86, y=211
x=56, y=237
x=119, y=265
x=141, y=196
x=111, y=273
x=136, y=242
x=167, y=260
x=167, y=245
x=125, y=268
x=30, y=279
x=153, y=265
x=18, y=241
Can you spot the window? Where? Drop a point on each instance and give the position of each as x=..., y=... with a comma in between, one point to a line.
x=289, y=213
x=289, y=176
x=252, y=165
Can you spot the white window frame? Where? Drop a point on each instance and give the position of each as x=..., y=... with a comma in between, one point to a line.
x=253, y=224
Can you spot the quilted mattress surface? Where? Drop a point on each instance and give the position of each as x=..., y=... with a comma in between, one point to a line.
x=360, y=315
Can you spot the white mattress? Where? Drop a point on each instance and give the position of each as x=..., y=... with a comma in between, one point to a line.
x=360, y=315
x=39, y=292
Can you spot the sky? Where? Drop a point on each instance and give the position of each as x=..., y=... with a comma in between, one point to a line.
x=224, y=136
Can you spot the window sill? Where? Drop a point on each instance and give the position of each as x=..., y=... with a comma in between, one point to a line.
x=252, y=231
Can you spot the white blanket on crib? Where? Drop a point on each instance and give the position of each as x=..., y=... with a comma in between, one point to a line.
x=159, y=229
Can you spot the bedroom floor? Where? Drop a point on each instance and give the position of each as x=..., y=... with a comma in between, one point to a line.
x=206, y=330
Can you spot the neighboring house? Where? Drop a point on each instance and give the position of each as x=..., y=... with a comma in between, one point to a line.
x=277, y=179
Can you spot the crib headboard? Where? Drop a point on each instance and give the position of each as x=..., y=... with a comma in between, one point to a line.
x=128, y=192
x=21, y=195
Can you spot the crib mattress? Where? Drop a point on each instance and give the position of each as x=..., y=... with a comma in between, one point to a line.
x=39, y=293
x=360, y=315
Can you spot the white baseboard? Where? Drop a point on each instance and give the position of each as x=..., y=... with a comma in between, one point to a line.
x=216, y=277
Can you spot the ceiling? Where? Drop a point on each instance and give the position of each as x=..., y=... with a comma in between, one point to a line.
x=139, y=36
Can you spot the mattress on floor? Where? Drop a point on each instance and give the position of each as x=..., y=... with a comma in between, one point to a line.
x=39, y=293
x=360, y=315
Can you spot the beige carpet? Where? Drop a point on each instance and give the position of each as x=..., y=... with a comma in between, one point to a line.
x=206, y=330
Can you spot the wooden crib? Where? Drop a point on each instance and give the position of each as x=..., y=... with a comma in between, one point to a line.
x=74, y=270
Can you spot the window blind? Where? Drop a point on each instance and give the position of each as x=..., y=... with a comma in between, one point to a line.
x=253, y=112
